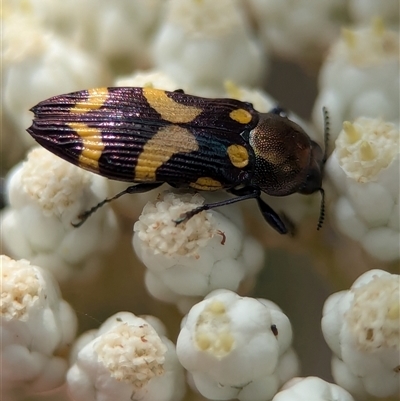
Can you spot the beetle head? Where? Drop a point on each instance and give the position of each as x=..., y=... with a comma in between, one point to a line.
x=287, y=160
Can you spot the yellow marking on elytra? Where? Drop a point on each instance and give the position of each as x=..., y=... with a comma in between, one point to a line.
x=96, y=98
x=93, y=145
x=167, y=142
x=242, y=116
x=169, y=109
x=206, y=184
x=238, y=155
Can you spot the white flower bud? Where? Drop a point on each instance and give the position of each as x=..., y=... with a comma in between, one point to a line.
x=363, y=11
x=360, y=77
x=236, y=347
x=190, y=259
x=300, y=30
x=203, y=43
x=38, y=64
x=364, y=168
x=362, y=327
x=47, y=194
x=126, y=359
x=36, y=325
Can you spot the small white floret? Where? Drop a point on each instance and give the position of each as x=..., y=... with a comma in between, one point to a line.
x=366, y=147
x=157, y=228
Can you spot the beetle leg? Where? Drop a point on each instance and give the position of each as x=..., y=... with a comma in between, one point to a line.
x=282, y=224
x=133, y=189
x=272, y=218
x=249, y=194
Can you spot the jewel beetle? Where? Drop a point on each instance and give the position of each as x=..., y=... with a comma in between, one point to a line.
x=150, y=136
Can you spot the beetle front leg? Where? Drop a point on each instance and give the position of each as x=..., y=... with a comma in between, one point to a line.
x=271, y=217
x=279, y=223
x=251, y=193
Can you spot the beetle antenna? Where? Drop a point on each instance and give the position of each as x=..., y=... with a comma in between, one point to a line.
x=326, y=133
x=324, y=159
x=326, y=145
x=322, y=209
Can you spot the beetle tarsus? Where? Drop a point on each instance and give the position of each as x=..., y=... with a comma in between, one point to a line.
x=242, y=194
x=188, y=215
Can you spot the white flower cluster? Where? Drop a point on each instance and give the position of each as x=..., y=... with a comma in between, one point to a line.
x=37, y=64
x=236, y=347
x=96, y=26
x=36, y=327
x=364, y=168
x=362, y=327
x=46, y=194
x=363, y=11
x=201, y=44
x=186, y=261
x=318, y=21
x=303, y=30
x=126, y=359
x=360, y=78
